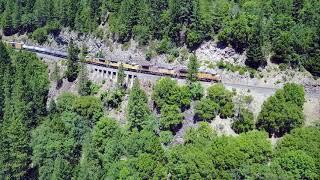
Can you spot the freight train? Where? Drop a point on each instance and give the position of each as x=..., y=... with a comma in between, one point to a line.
x=141, y=67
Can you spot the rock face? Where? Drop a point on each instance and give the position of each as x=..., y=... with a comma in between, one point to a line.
x=210, y=51
x=132, y=52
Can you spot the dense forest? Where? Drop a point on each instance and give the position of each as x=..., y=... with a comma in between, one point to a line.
x=73, y=138
x=286, y=30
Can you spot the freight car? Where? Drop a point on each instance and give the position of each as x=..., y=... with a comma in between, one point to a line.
x=47, y=51
x=180, y=72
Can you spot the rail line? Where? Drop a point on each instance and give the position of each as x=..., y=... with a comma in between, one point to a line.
x=142, y=67
x=54, y=54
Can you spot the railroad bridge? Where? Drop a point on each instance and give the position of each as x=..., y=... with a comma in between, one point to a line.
x=108, y=74
x=100, y=73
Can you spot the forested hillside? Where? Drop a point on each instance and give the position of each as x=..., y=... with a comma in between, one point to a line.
x=288, y=30
x=74, y=137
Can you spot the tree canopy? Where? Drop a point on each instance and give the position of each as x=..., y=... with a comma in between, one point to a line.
x=285, y=29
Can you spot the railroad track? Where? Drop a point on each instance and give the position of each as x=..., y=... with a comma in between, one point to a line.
x=311, y=90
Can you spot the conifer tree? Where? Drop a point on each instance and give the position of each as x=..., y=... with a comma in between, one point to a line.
x=138, y=110
x=72, y=67
x=193, y=67
x=56, y=75
x=15, y=151
x=61, y=169
x=7, y=24
x=121, y=77
x=4, y=66
x=255, y=57
x=84, y=82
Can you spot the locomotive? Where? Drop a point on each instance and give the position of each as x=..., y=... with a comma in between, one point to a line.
x=147, y=68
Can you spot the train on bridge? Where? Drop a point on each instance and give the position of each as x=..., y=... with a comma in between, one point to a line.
x=147, y=68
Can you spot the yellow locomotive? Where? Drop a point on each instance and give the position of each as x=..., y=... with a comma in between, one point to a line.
x=141, y=67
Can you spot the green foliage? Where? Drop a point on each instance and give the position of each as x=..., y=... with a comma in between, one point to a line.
x=65, y=102
x=113, y=99
x=15, y=151
x=302, y=139
x=171, y=117
x=166, y=137
x=287, y=30
x=5, y=63
x=56, y=142
x=283, y=111
x=72, y=65
x=167, y=92
x=244, y=122
x=121, y=76
x=196, y=91
x=255, y=56
x=206, y=109
x=94, y=88
x=208, y=156
x=223, y=97
x=88, y=107
x=200, y=135
x=192, y=69
x=295, y=164
x=239, y=31
x=40, y=35
x=84, y=83
x=164, y=46
x=56, y=77
x=106, y=136
x=138, y=110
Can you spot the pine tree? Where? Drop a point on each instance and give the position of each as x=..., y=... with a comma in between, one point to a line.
x=61, y=169
x=138, y=110
x=193, y=67
x=72, y=67
x=121, y=77
x=4, y=66
x=56, y=76
x=255, y=57
x=84, y=83
x=7, y=22
x=15, y=152
x=52, y=107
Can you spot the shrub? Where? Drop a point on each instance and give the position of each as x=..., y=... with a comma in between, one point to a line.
x=166, y=137
x=223, y=98
x=53, y=28
x=112, y=99
x=283, y=66
x=196, y=91
x=164, y=46
x=40, y=35
x=206, y=110
x=242, y=71
x=94, y=88
x=283, y=111
x=244, y=122
x=170, y=117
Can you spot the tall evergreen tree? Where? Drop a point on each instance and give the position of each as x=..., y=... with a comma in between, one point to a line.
x=138, y=110
x=193, y=66
x=84, y=83
x=4, y=66
x=7, y=21
x=72, y=67
x=121, y=76
x=56, y=77
x=15, y=152
x=255, y=57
